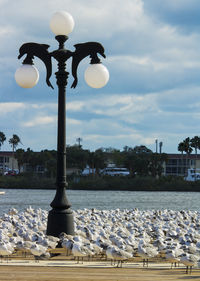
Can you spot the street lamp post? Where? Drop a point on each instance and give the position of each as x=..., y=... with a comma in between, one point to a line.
x=60, y=218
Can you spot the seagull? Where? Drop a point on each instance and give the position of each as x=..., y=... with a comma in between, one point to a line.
x=120, y=256
x=115, y=254
x=189, y=260
x=5, y=250
x=146, y=252
x=172, y=257
x=79, y=251
x=68, y=245
x=109, y=254
x=38, y=251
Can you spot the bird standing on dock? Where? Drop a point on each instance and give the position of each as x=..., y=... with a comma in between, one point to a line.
x=173, y=257
x=146, y=252
x=189, y=260
x=79, y=251
x=38, y=251
x=6, y=249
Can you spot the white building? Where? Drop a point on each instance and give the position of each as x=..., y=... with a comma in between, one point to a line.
x=7, y=161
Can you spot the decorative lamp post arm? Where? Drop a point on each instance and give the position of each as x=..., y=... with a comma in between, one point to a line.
x=82, y=51
x=37, y=50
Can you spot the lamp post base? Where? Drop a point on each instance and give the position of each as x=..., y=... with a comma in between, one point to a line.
x=60, y=221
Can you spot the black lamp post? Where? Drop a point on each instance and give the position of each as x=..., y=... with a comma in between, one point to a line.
x=60, y=218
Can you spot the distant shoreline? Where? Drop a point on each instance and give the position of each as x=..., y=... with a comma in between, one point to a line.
x=107, y=189
x=174, y=184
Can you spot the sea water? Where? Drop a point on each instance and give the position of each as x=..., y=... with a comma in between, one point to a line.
x=80, y=199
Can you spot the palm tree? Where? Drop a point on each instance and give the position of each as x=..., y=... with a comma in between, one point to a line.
x=195, y=143
x=2, y=138
x=181, y=148
x=14, y=141
x=187, y=148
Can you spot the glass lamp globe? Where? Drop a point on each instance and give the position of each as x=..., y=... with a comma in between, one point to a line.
x=96, y=75
x=61, y=23
x=27, y=76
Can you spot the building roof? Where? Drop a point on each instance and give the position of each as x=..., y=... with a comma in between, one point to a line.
x=183, y=156
x=6, y=153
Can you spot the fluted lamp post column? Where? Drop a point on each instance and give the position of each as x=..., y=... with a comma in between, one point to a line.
x=60, y=217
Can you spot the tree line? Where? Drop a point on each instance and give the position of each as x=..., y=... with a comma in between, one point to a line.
x=138, y=160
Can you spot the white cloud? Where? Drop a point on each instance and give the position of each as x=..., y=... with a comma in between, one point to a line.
x=40, y=120
x=6, y=31
x=73, y=121
x=75, y=106
x=39, y=106
x=7, y=107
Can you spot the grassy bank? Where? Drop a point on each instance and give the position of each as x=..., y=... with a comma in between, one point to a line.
x=102, y=183
x=136, y=184
x=27, y=182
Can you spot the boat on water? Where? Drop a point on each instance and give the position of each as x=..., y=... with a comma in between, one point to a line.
x=114, y=171
x=193, y=175
x=2, y=192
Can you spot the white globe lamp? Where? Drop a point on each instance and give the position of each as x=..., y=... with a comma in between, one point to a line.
x=61, y=23
x=27, y=76
x=96, y=75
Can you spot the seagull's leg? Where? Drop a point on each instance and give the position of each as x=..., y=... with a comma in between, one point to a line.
x=186, y=269
x=190, y=269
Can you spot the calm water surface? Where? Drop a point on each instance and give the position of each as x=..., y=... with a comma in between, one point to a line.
x=22, y=198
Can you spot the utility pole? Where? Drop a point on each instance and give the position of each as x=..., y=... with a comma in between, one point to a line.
x=156, y=141
x=160, y=146
x=79, y=140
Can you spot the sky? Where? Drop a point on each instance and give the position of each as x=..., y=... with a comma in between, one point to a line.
x=152, y=52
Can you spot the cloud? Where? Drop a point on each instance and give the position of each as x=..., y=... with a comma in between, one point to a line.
x=10, y=107
x=74, y=106
x=41, y=120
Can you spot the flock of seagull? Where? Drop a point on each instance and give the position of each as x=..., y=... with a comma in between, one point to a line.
x=119, y=235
